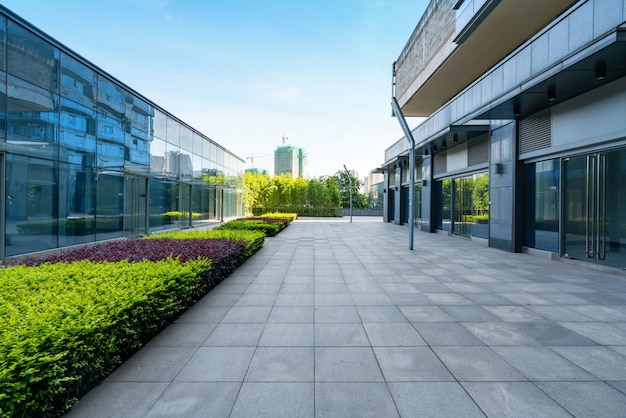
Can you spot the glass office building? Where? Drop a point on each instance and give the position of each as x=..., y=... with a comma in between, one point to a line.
x=84, y=158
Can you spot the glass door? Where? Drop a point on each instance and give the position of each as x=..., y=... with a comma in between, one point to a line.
x=135, y=220
x=594, y=208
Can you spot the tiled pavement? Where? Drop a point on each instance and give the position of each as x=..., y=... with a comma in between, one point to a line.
x=339, y=319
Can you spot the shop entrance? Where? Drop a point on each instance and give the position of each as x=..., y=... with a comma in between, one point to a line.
x=594, y=208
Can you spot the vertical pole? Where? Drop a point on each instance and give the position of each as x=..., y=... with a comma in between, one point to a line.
x=407, y=133
x=350, y=180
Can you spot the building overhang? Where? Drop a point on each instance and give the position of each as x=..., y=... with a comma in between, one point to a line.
x=451, y=136
x=494, y=32
x=600, y=63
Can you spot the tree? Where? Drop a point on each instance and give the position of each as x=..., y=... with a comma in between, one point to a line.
x=359, y=200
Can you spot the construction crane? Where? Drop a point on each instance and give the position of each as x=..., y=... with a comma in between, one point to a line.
x=283, y=137
x=252, y=157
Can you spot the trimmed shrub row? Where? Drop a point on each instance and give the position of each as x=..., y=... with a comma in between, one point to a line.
x=68, y=320
x=65, y=326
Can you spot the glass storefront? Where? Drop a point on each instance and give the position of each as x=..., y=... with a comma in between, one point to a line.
x=594, y=207
x=86, y=159
x=464, y=205
x=591, y=224
x=542, y=205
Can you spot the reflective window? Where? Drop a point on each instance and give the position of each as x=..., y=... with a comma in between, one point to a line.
x=31, y=58
x=186, y=139
x=78, y=82
x=137, y=140
x=31, y=209
x=158, y=149
x=173, y=132
x=32, y=119
x=198, y=142
x=185, y=166
x=77, y=208
x=3, y=45
x=3, y=105
x=110, y=125
x=78, y=133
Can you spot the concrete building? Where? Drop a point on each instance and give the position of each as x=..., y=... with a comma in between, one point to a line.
x=84, y=157
x=524, y=143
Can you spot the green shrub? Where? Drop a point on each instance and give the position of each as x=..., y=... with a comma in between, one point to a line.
x=278, y=215
x=63, y=327
x=268, y=228
x=252, y=240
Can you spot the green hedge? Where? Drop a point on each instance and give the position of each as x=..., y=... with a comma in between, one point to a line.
x=252, y=240
x=63, y=327
x=278, y=215
x=268, y=228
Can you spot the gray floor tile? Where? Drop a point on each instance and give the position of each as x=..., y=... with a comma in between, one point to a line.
x=477, y=364
x=181, y=334
x=333, y=288
x=498, y=333
x=542, y=364
x=118, y=399
x=195, y=399
x=292, y=314
x=406, y=364
x=281, y=364
x=235, y=335
x=513, y=313
x=217, y=364
x=448, y=299
x=256, y=299
x=346, y=364
x=364, y=288
x=587, y=399
x=601, y=332
x=371, y=299
x=462, y=313
x=340, y=400
x=601, y=362
x=409, y=299
x=153, y=364
x=340, y=335
x=446, y=333
x=295, y=299
x=204, y=314
x=219, y=299
x=247, y=314
x=393, y=335
x=288, y=335
x=274, y=400
x=513, y=399
x=425, y=314
x=336, y=314
x=380, y=314
x=433, y=399
x=548, y=333
x=333, y=299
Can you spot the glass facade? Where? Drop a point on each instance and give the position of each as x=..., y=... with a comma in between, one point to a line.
x=86, y=159
x=463, y=205
x=542, y=205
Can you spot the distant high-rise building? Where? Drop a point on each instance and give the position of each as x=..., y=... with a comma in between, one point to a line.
x=289, y=159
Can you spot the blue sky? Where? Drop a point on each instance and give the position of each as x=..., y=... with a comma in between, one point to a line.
x=246, y=72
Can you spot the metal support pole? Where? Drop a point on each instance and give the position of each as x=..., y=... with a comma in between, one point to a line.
x=350, y=180
x=407, y=133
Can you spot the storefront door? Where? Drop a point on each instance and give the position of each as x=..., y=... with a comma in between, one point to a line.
x=594, y=208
